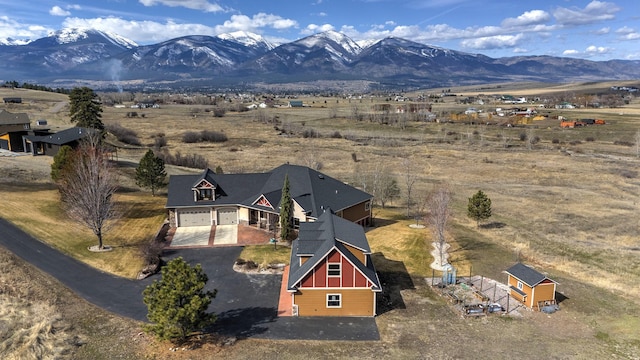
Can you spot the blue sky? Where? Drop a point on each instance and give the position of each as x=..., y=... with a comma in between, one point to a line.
x=596, y=30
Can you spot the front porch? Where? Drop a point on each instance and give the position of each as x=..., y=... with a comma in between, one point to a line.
x=263, y=220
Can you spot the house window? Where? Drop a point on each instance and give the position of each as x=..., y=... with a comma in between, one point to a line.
x=334, y=300
x=367, y=206
x=296, y=223
x=333, y=270
x=206, y=194
x=519, y=285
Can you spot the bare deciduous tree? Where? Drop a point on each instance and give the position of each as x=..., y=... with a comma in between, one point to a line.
x=88, y=187
x=438, y=205
x=410, y=178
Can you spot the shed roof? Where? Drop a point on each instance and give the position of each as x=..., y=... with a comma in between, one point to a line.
x=62, y=137
x=526, y=274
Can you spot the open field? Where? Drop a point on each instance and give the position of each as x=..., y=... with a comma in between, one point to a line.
x=568, y=204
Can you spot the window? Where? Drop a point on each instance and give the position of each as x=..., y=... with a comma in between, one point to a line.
x=519, y=285
x=333, y=269
x=334, y=300
x=367, y=206
x=206, y=194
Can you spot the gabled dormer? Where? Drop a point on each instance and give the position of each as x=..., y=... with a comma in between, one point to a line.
x=205, y=188
x=263, y=201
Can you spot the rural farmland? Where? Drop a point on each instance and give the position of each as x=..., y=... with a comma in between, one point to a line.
x=564, y=200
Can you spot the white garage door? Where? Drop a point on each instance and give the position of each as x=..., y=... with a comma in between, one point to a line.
x=227, y=216
x=194, y=217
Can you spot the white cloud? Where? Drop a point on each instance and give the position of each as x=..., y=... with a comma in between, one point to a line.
x=10, y=28
x=152, y=31
x=532, y=17
x=597, y=50
x=570, y=52
x=603, y=31
x=594, y=12
x=203, y=5
x=493, y=42
x=313, y=29
x=590, y=51
x=58, y=11
x=520, y=50
x=74, y=7
x=625, y=30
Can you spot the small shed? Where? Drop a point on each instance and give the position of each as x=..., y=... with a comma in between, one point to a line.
x=295, y=103
x=531, y=287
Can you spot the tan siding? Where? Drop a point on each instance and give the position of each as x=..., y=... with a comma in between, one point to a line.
x=544, y=292
x=355, y=302
x=357, y=253
x=525, y=288
x=356, y=212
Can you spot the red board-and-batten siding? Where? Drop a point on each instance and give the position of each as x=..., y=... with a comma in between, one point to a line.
x=350, y=276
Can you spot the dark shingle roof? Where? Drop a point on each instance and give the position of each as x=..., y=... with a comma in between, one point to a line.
x=526, y=274
x=62, y=137
x=317, y=239
x=7, y=118
x=311, y=189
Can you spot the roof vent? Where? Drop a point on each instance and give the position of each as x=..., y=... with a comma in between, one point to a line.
x=321, y=176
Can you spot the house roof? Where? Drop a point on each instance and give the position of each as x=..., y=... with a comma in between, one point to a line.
x=526, y=274
x=312, y=190
x=61, y=137
x=7, y=118
x=317, y=239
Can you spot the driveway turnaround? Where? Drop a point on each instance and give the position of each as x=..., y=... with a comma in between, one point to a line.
x=246, y=304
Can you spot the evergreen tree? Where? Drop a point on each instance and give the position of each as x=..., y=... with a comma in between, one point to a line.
x=85, y=108
x=61, y=162
x=285, y=211
x=479, y=207
x=178, y=302
x=150, y=172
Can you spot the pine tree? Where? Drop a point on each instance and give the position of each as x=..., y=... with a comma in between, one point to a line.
x=285, y=211
x=61, y=162
x=85, y=108
x=479, y=207
x=178, y=303
x=150, y=172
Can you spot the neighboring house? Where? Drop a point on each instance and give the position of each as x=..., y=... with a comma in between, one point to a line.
x=531, y=287
x=12, y=100
x=331, y=272
x=254, y=199
x=50, y=144
x=12, y=128
x=295, y=103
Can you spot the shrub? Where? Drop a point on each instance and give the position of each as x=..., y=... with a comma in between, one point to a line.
x=219, y=112
x=590, y=139
x=575, y=142
x=523, y=136
x=336, y=135
x=204, y=136
x=191, y=160
x=123, y=134
x=310, y=133
x=159, y=142
x=213, y=136
x=555, y=141
x=623, y=143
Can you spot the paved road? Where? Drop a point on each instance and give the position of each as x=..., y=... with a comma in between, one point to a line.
x=246, y=304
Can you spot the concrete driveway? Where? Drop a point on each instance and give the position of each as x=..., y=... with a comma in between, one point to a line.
x=191, y=236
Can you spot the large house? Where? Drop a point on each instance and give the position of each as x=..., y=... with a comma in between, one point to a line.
x=12, y=128
x=531, y=287
x=254, y=199
x=50, y=144
x=331, y=272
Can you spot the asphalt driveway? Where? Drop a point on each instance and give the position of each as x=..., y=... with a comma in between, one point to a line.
x=246, y=304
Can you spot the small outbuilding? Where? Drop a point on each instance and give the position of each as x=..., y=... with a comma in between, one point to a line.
x=531, y=287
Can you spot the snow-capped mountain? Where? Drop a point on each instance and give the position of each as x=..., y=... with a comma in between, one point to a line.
x=243, y=57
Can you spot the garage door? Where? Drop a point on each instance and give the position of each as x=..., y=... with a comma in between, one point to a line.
x=194, y=217
x=4, y=144
x=227, y=216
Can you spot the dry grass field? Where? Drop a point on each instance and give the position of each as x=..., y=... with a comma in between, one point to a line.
x=568, y=205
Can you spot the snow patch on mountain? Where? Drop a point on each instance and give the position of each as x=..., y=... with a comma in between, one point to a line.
x=247, y=39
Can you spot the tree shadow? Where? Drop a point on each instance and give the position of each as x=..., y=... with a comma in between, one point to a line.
x=493, y=225
x=394, y=277
x=378, y=222
x=244, y=323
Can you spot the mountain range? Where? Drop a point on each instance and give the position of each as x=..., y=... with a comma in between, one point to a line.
x=77, y=55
